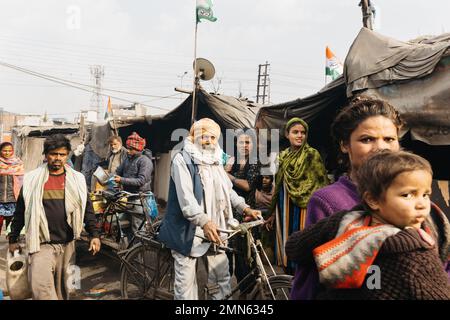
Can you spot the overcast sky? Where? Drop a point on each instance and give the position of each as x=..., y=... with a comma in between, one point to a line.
x=146, y=46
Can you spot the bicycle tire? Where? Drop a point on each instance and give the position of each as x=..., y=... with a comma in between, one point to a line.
x=281, y=287
x=138, y=282
x=134, y=283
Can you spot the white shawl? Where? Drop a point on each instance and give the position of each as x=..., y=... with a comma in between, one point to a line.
x=36, y=224
x=216, y=185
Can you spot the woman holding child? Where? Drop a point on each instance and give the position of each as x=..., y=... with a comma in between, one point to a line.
x=385, y=248
x=361, y=129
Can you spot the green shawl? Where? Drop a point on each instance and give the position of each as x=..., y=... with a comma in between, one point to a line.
x=302, y=171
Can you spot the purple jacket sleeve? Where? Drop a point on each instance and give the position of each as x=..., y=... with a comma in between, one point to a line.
x=317, y=210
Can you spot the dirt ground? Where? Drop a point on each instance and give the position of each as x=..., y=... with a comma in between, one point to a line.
x=100, y=274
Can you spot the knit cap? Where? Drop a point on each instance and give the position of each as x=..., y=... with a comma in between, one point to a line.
x=136, y=142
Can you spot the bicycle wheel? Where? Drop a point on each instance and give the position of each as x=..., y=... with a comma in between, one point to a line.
x=281, y=287
x=147, y=273
x=137, y=272
x=165, y=282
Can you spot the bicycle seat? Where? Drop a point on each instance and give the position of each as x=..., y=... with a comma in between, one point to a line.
x=110, y=195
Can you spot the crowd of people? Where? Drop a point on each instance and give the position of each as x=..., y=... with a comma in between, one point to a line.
x=329, y=236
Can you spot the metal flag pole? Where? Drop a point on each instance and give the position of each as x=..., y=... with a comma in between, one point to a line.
x=194, y=91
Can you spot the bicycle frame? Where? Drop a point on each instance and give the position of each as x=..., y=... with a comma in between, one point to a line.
x=119, y=206
x=152, y=275
x=257, y=270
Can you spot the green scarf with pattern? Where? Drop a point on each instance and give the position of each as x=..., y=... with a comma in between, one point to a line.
x=302, y=171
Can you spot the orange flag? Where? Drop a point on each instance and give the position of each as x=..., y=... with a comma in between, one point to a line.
x=109, y=109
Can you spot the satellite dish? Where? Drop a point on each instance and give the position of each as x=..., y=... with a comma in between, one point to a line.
x=205, y=69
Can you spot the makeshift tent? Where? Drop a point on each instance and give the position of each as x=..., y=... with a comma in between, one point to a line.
x=29, y=142
x=317, y=110
x=228, y=112
x=413, y=76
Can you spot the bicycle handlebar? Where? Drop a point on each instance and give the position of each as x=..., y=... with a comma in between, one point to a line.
x=135, y=194
x=243, y=227
x=122, y=193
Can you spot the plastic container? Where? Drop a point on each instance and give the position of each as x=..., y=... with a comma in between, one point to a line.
x=111, y=184
x=151, y=207
x=101, y=175
x=17, y=275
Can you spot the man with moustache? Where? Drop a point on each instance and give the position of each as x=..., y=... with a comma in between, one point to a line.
x=117, y=153
x=53, y=204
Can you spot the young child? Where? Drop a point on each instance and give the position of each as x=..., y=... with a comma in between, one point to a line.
x=263, y=198
x=264, y=192
x=384, y=249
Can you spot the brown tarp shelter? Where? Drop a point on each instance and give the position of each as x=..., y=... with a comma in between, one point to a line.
x=375, y=60
x=413, y=76
x=29, y=142
x=228, y=112
x=317, y=110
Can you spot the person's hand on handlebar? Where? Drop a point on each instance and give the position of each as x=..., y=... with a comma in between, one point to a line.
x=210, y=231
x=270, y=222
x=251, y=214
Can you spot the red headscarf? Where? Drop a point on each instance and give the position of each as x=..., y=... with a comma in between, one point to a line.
x=136, y=142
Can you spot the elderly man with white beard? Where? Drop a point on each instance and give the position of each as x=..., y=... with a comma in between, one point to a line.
x=201, y=199
x=117, y=153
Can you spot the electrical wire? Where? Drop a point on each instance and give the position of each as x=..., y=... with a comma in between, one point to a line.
x=68, y=83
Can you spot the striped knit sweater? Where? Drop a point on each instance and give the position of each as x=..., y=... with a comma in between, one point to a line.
x=410, y=267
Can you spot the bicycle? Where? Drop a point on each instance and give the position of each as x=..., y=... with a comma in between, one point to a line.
x=112, y=223
x=147, y=270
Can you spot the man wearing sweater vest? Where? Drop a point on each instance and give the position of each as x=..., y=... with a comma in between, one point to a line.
x=201, y=200
x=53, y=205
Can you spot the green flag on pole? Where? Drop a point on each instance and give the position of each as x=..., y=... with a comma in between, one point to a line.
x=204, y=11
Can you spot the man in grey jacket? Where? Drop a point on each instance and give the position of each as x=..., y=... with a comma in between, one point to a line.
x=135, y=172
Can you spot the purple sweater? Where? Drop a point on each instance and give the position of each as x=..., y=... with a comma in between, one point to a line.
x=339, y=196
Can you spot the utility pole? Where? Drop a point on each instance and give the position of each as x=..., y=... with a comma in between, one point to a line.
x=367, y=13
x=97, y=73
x=263, y=88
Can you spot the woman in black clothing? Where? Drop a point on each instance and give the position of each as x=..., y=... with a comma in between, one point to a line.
x=243, y=171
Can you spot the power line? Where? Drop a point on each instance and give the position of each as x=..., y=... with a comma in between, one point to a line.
x=47, y=77
x=68, y=83
x=67, y=52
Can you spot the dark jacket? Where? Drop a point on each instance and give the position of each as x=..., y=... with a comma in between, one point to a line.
x=410, y=268
x=136, y=173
